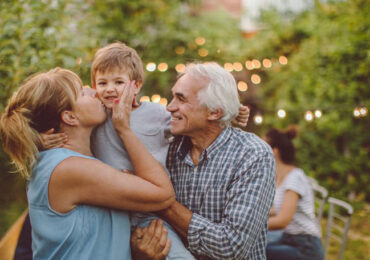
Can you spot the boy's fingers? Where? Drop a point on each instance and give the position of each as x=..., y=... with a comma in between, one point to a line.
x=50, y=131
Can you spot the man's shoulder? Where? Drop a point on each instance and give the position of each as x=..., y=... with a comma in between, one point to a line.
x=249, y=142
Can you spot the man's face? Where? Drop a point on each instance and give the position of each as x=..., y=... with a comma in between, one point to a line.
x=188, y=116
x=110, y=85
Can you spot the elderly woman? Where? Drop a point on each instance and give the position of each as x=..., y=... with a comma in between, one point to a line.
x=76, y=202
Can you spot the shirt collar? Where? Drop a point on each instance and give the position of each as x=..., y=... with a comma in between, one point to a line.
x=185, y=145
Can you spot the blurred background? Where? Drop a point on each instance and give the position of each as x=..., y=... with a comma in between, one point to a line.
x=301, y=62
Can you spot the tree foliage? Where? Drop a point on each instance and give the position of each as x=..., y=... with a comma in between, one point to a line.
x=328, y=69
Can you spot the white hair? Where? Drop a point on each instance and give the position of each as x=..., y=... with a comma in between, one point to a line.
x=221, y=91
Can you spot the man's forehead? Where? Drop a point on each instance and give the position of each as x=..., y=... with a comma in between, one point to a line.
x=188, y=84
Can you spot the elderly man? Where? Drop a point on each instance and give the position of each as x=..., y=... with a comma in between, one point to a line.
x=224, y=178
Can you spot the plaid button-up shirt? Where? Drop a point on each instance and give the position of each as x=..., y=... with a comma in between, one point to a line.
x=230, y=191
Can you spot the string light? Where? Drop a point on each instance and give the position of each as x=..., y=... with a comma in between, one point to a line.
x=229, y=67
x=200, y=40
x=256, y=64
x=151, y=66
x=144, y=99
x=267, y=63
x=162, y=67
x=163, y=101
x=242, y=86
x=308, y=116
x=179, y=50
x=258, y=119
x=156, y=98
x=203, y=52
x=238, y=66
x=283, y=60
x=356, y=112
x=318, y=113
x=281, y=113
x=249, y=65
x=180, y=68
x=256, y=79
x=363, y=111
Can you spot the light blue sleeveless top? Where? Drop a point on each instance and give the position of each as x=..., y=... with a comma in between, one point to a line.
x=86, y=232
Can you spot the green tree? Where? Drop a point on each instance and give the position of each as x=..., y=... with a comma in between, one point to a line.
x=328, y=69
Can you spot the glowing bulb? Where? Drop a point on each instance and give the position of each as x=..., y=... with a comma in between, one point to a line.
x=200, y=40
x=237, y=66
x=308, y=116
x=151, y=66
x=144, y=99
x=156, y=98
x=267, y=63
x=256, y=64
x=163, y=101
x=281, y=113
x=258, y=119
x=242, y=86
x=249, y=65
x=283, y=60
x=318, y=113
x=179, y=50
x=180, y=68
x=255, y=79
x=356, y=112
x=162, y=67
x=203, y=52
x=363, y=111
x=229, y=67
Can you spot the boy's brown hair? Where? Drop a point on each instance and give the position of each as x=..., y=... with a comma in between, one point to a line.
x=117, y=55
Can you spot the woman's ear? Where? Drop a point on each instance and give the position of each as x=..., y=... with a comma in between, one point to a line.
x=69, y=118
x=215, y=114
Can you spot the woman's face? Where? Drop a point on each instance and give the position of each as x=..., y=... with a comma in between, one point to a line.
x=89, y=109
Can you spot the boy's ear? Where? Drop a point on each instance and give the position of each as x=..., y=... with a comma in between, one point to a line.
x=215, y=114
x=138, y=86
x=69, y=118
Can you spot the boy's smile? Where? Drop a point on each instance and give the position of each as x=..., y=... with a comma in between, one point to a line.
x=110, y=85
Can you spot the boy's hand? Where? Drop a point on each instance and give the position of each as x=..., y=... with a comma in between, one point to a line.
x=243, y=116
x=122, y=107
x=50, y=140
x=150, y=242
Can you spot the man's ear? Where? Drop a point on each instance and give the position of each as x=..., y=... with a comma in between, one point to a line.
x=69, y=118
x=215, y=114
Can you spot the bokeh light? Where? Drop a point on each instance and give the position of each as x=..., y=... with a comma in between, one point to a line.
x=242, y=86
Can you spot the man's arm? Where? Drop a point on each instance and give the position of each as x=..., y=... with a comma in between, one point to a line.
x=245, y=215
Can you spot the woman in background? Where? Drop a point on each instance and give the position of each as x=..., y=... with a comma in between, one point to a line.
x=293, y=206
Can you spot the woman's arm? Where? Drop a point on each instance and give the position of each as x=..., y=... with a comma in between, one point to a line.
x=283, y=218
x=79, y=180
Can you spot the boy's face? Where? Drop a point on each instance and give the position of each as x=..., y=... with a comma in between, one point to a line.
x=110, y=85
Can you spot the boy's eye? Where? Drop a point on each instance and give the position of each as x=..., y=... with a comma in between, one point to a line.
x=101, y=83
x=119, y=82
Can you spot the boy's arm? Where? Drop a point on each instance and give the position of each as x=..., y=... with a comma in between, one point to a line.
x=50, y=140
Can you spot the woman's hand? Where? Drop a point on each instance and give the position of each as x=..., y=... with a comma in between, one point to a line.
x=150, y=242
x=50, y=140
x=243, y=116
x=122, y=107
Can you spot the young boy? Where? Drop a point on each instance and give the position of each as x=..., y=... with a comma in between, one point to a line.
x=113, y=68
